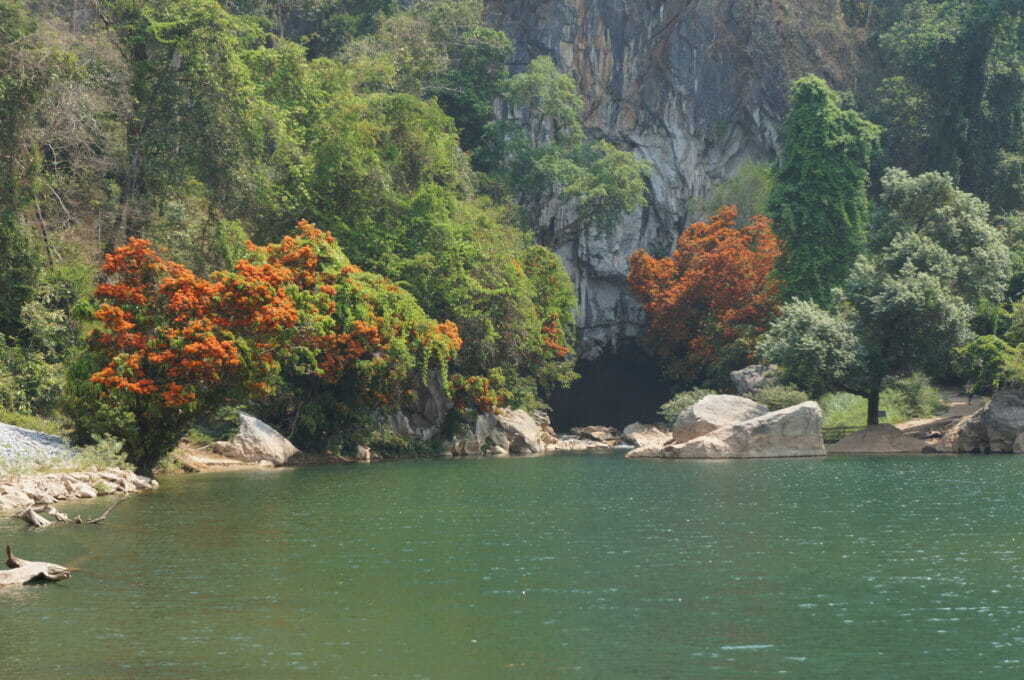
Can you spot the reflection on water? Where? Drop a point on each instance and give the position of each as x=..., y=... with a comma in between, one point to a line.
x=590, y=567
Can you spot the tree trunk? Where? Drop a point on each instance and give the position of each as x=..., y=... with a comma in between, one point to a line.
x=873, y=400
x=22, y=571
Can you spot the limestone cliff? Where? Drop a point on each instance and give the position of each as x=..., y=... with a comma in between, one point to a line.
x=695, y=87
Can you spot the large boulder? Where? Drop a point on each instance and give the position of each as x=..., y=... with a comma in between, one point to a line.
x=883, y=438
x=712, y=412
x=502, y=432
x=256, y=442
x=790, y=432
x=748, y=379
x=642, y=436
x=994, y=428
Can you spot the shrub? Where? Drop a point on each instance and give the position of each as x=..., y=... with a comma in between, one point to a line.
x=911, y=397
x=778, y=396
x=671, y=409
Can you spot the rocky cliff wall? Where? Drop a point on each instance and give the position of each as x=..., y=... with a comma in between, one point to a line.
x=695, y=87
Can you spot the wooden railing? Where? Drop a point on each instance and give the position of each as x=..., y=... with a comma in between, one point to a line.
x=834, y=434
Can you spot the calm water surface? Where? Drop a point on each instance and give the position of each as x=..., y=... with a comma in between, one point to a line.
x=570, y=566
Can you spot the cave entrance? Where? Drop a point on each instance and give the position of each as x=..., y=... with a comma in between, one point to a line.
x=615, y=389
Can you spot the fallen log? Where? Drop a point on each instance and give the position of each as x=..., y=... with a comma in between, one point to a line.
x=22, y=571
x=34, y=519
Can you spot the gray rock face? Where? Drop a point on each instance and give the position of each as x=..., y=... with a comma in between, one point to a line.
x=712, y=412
x=995, y=428
x=422, y=417
x=748, y=379
x=255, y=442
x=789, y=432
x=695, y=87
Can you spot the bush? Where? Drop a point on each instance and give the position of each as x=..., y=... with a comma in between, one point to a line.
x=842, y=409
x=778, y=396
x=28, y=383
x=911, y=397
x=671, y=409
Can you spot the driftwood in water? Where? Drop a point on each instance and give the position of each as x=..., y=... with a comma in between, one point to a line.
x=34, y=519
x=23, y=571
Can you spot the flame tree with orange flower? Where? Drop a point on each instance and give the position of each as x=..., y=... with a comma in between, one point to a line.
x=711, y=298
x=172, y=347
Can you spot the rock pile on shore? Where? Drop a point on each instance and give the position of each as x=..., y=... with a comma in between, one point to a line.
x=18, y=492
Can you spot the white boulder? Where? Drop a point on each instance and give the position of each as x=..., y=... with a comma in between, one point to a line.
x=256, y=441
x=789, y=432
x=712, y=412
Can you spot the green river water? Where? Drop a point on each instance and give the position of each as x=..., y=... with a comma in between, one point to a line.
x=568, y=566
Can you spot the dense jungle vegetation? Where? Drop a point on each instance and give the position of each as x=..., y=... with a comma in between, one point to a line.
x=307, y=208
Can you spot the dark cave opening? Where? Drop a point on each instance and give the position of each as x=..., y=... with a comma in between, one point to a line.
x=615, y=389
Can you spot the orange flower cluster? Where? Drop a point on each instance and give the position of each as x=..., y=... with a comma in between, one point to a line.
x=171, y=337
x=714, y=290
x=553, y=337
x=159, y=336
x=476, y=391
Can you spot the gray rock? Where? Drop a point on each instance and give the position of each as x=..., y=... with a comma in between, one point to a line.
x=994, y=428
x=83, y=490
x=789, y=432
x=598, y=433
x=643, y=436
x=501, y=433
x=256, y=441
x=748, y=379
x=712, y=412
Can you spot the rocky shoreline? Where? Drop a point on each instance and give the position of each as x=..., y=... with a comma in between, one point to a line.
x=19, y=492
x=717, y=426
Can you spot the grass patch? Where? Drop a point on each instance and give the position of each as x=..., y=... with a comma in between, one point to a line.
x=842, y=409
x=28, y=421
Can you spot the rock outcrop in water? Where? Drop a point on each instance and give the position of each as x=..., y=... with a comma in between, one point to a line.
x=786, y=433
x=695, y=87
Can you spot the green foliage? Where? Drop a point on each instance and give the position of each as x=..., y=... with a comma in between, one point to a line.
x=903, y=309
x=29, y=383
x=843, y=409
x=914, y=396
x=25, y=73
x=814, y=348
x=671, y=409
x=988, y=363
x=49, y=425
x=956, y=100
x=748, y=189
x=548, y=154
x=819, y=199
x=776, y=397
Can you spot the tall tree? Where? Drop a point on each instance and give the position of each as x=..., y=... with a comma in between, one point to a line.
x=819, y=203
x=25, y=71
